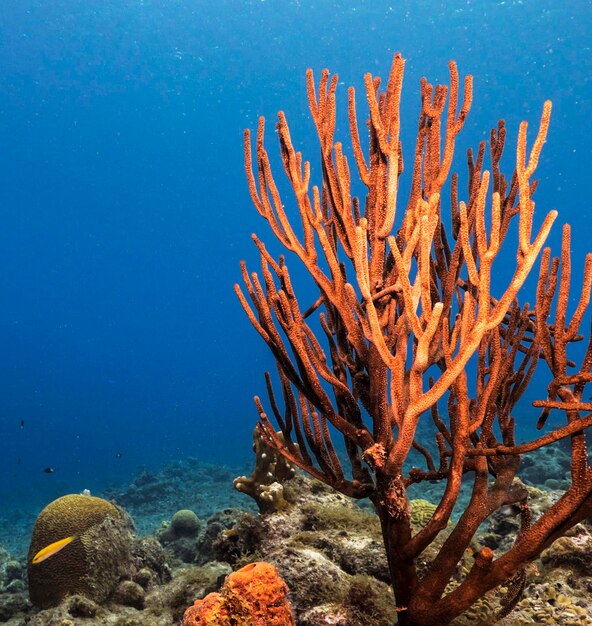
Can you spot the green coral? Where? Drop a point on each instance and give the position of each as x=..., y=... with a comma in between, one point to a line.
x=421, y=512
x=184, y=523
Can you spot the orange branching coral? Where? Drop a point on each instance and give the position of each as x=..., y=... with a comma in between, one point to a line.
x=253, y=596
x=407, y=326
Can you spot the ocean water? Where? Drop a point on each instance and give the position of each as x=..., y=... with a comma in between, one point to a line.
x=124, y=210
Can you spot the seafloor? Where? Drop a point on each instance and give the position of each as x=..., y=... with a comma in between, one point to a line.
x=327, y=548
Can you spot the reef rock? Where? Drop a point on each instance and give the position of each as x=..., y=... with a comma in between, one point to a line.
x=326, y=548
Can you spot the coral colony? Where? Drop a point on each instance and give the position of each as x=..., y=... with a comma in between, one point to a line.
x=406, y=327
x=405, y=370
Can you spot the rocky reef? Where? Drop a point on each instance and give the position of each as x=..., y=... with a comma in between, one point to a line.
x=326, y=549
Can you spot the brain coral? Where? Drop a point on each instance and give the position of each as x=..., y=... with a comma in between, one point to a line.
x=93, y=563
x=184, y=523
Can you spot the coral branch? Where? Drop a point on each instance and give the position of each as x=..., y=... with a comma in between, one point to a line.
x=403, y=305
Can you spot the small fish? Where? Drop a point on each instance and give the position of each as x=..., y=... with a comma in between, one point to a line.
x=51, y=549
x=119, y=455
x=49, y=470
x=22, y=423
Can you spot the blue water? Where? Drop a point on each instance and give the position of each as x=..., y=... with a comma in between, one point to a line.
x=124, y=210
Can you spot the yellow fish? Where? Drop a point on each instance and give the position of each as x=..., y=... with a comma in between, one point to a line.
x=51, y=549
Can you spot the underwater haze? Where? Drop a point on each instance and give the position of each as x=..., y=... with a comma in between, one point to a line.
x=124, y=209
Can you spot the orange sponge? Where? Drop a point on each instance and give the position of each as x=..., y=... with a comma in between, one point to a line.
x=253, y=596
